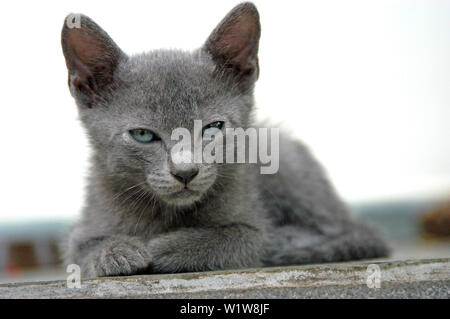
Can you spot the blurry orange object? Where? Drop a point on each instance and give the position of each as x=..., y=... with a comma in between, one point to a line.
x=13, y=271
x=437, y=222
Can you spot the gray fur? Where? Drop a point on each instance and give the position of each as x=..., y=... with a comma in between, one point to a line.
x=134, y=221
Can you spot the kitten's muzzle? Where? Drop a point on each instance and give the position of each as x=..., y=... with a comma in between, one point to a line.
x=182, y=167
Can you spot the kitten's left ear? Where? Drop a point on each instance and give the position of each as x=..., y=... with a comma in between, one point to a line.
x=233, y=44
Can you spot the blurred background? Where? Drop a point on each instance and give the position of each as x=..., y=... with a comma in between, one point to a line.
x=364, y=83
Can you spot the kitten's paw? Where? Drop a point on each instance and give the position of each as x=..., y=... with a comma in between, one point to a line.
x=124, y=256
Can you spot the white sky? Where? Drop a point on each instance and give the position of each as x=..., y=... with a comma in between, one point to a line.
x=364, y=83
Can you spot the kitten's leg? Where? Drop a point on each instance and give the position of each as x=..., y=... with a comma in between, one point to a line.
x=294, y=246
x=201, y=249
x=109, y=255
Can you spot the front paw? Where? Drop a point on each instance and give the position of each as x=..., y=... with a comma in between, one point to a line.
x=118, y=256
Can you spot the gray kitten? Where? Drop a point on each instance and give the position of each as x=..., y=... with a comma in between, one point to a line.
x=144, y=212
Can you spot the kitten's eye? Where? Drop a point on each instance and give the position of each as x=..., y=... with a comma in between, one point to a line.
x=212, y=129
x=143, y=136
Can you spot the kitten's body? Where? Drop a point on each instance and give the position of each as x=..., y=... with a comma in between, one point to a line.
x=234, y=217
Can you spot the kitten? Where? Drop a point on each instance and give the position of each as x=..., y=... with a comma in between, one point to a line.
x=146, y=212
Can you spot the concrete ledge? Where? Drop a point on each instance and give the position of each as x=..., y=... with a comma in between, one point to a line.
x=399, y=279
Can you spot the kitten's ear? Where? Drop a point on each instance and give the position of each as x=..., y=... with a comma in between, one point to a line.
x=91, y=58
x=233, y=44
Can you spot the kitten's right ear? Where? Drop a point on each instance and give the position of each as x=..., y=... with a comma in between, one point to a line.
x=91, y=58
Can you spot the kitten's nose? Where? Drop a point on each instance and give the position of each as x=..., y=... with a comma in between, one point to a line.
x=185, y=176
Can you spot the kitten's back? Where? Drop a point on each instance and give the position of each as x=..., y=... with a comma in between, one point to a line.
x=310, y=222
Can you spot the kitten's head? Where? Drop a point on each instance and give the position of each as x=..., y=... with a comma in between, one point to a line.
x=130, y=105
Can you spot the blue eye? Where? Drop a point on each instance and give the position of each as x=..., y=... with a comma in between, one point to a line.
x=143, y=136
x=212, y=129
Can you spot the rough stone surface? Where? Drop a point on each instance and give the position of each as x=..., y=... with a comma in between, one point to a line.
x=398, y=279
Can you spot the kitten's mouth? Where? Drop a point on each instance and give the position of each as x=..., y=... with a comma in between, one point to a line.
x=185, y=196
x=185, y=192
